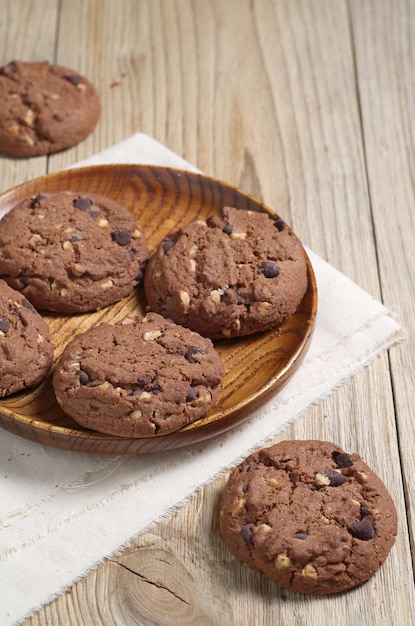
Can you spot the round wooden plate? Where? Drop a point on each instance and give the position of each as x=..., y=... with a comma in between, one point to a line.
x=162, y=199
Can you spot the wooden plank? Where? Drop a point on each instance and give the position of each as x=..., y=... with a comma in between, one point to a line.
x=113, y=49
x=383, y=34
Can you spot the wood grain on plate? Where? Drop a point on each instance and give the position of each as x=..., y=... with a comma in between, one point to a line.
x=162, y=199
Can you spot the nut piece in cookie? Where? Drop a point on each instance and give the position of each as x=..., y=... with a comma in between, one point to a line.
x=26, y=349
x=309, y=516
x=44, y=108
x=71, y=252
x=139, y=378
x=236, y=274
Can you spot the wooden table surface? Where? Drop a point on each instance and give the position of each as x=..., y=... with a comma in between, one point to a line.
x=310, y=106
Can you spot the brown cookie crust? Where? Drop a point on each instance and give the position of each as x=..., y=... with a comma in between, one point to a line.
x=26, y=349
x=44, y=108
x=143, y=377
x=71, y=253
x=311, y=517
x=238, y=273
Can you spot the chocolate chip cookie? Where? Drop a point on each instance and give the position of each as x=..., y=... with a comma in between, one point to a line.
x=139, y=378
x=71, y=253
x=44, y=108
x=235, y=274
x=26, y=349
x=311, y=517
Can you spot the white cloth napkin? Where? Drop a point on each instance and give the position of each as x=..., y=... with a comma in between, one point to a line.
x=62, y=512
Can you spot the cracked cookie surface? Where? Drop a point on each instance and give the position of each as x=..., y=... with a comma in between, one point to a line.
x=309, y=516
x=44, y=108
x=71, y=253
x=26, y=348
x=142, y=377
x=238, y=273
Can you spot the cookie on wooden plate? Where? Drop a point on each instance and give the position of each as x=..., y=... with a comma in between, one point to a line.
x=311, y=517
x=139, y=378
x=71, y=252
x=235, y=274
x=44, y=108
x=26, y=348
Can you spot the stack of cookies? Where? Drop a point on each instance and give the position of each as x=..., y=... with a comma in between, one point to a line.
x=238, y=273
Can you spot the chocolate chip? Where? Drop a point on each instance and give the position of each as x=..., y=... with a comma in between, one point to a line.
x=244, y=488
x=144, y=380
x=169, y=243
x=192, y=394
x=4, y=324
x=73, y=79
x=270, y=269
x=247, y=533
x=82, y=203
x=76, y=238
x=364, y=511
x=9, y=68
x=246, y=466
x=335, y=478
x=136, y=392
x=300, y=536
x=83, y=377
x=191, y=352
x=37, y=200
x=122, y=236
x=156, y=389
x=231, y=296
x=28, y=305
x=24, y=280
x=94, y=213
x=279, y=224
x=342, y=459
x=228, y=229
x=362, y=529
